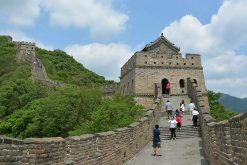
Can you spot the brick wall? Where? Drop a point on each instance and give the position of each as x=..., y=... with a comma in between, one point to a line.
x=112, y=147
x=225, y=142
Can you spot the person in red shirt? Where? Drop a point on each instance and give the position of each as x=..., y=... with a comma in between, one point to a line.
x=168, y=87
x=178, y=119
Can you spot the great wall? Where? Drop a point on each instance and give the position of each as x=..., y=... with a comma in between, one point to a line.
x=224, y=143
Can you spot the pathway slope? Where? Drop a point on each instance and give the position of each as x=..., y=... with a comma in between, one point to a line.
x=185, y=150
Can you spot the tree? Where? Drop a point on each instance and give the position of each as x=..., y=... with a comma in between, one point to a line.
x=217, y=110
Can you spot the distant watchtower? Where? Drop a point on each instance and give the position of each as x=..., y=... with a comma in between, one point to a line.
x=147, y=73
x=25, y=50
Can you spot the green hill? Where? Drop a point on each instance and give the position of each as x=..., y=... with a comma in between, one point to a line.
x=31, y=109
x=62, y=67
x=233, y=103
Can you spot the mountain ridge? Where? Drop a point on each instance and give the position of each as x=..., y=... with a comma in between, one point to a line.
x=233, y=103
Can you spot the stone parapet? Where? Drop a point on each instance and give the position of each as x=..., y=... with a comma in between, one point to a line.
x=112, y=147
x=225, y=142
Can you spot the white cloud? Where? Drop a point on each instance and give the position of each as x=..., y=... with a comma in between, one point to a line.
x=217, y=41
x=20, y=36
x=103, y=59
x=232, y=86
x=97, y=15
x=20, y=13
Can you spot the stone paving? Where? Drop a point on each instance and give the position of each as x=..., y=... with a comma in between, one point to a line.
x=186, y=151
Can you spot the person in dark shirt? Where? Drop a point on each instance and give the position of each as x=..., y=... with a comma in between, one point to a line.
x=156, y=140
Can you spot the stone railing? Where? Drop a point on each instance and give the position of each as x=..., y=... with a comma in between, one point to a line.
x=225, y=142
x=113, y=147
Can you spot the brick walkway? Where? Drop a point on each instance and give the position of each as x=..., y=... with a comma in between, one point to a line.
x=185, y=150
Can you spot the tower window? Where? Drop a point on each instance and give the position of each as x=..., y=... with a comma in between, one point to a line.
x=192, y=64
x=146, y=62
x=181, y=83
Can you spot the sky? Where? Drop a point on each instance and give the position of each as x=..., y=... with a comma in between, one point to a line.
x=103, y=34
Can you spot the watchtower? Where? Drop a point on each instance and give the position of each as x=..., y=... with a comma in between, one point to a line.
x=147, y=73
x=25, y=51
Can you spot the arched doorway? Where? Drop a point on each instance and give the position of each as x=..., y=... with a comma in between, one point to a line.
x=164, y=82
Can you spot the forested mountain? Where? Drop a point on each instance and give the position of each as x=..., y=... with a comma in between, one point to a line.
x=233, y=103
x=62, y=67
x=31, y=109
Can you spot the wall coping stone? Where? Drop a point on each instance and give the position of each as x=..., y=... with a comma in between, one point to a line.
x=235, y=118
x=121, y=129
x=153, y=107
x=143, y=119
x=134, y=124
x=224, y=122
x=81, y=137
x=243, y=115
x=43, y=140
x=209, y=118
x=212, y=124
x=9, y=140
x=149, y=113
x=105, y=133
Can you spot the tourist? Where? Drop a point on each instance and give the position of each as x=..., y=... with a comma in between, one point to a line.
x=182, y=107
x=172, y=125
x=156, y=140
x=195, y=114
x=168, y=87
x=168, y=108
x=178, y=119
x=191, y=108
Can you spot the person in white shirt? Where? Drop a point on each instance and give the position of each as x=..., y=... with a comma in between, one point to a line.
x=182, y=107
x=191, y=108
x=172, y=125
x=195, y=114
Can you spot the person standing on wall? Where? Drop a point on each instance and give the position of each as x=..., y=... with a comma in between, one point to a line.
x=172, y=125
x=156, y=141
x=191, y=108
x=168, y=108
x=168, y=87
x=195, y=114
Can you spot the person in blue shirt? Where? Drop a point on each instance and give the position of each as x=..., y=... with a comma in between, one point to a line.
x=156, y=140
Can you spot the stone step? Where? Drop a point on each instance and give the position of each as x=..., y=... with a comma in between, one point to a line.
x=185, y=132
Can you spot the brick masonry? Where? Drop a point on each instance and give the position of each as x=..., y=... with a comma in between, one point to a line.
x=225, y=142
x=113, y=147
x=160, y=60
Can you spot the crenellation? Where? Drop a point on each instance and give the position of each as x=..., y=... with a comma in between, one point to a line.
x=223, y=142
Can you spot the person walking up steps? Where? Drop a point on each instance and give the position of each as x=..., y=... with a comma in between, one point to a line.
x=156, y=141
x=168, y=108
x=191, y=108
x=178, y=119
x=172, y=125
x=195, y=114
x=182, y=107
